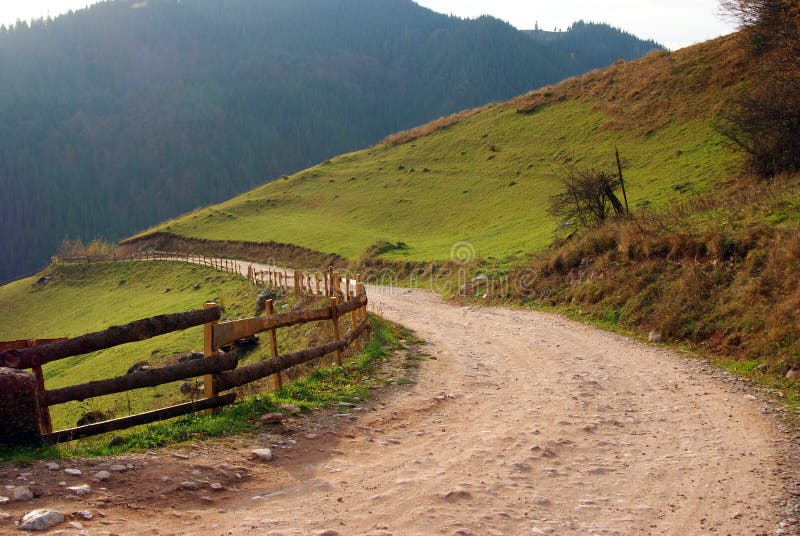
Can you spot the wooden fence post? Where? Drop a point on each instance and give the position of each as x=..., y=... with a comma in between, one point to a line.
x=354, y=315
x=362, y=291
x=209, y=351
x=273, y=343
x=336, y=332
x=316, y=277
x=45, y=422
x=18, y=415
x=298, y=284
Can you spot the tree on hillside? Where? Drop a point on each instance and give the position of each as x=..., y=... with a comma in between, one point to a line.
x=765, y=123
x=587, y=197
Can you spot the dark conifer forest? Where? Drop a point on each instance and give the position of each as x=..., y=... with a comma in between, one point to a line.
x=119, y=116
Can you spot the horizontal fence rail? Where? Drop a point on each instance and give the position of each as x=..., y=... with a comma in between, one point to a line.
x=113, y=336
x=147, y=417
x=139, y=380
x=218, y=368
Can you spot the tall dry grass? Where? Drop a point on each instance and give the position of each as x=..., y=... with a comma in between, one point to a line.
x=406, y=136
x=715, y=271
x=647, y=93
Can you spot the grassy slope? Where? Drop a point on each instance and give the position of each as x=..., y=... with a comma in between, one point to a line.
x=486, y=179
x=84, y=298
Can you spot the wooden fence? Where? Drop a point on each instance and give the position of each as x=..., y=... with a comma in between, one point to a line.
x=328, y=282
x=218, y=368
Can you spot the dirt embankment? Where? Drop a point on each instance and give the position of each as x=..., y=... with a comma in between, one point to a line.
x=275, y=253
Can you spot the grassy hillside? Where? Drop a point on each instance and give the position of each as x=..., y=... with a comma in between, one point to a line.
x=80, y=299
x=485, y=176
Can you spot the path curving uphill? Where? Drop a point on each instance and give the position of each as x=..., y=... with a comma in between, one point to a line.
x=519, y=422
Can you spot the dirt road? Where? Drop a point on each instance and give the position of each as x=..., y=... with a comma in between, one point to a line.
x=519, y=423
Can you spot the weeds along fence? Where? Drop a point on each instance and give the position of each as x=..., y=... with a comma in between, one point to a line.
x=219, y=368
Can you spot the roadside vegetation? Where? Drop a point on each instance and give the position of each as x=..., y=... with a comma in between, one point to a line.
x=718, y=271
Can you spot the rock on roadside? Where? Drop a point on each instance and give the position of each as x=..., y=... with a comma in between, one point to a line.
x=21, y=493
x=40, y=520
x=264, y=455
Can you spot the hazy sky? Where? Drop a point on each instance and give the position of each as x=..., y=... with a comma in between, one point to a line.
x=675, y=23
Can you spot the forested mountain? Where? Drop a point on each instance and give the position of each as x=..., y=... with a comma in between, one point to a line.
x=119, y=116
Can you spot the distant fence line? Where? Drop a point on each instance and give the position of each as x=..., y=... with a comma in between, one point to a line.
x=218, y=368
x=328, y=282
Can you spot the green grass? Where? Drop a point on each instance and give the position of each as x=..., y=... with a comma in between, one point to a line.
x=80, y=299
x=323, y=387
x=450, y=186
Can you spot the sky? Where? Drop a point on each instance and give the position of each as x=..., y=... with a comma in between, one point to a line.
x=673, y=23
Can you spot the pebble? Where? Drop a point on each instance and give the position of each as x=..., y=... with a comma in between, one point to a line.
x=216, y=486
x=265, y=455
x=52, y=466
x=180, y=456
x=83, y=514
x=73, y=472
x=272, y=418
x=541, y=501
x=118, y=468
x=523, y=466
x=189, y=485
x=101, y=476
x=21, y=493
x=4, y=500
x=456, y=494
x=42, y=519
x=326, y=532
x=81, y=490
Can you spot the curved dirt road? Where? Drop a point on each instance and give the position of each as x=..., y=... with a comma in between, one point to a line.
x=526, y=423
x=519, y=423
